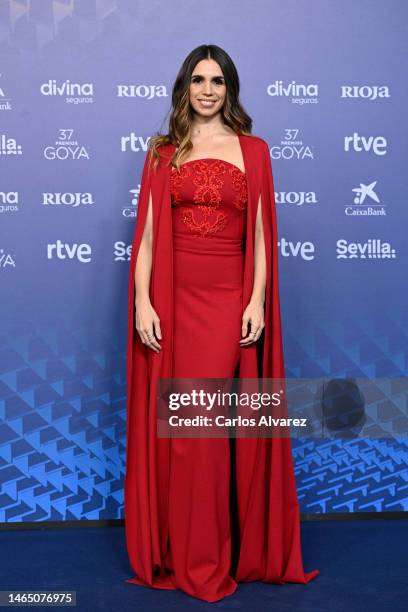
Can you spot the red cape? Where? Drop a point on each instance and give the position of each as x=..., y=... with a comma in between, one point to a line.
x=263, y=465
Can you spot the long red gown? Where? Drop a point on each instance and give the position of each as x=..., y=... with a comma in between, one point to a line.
x=179, y=523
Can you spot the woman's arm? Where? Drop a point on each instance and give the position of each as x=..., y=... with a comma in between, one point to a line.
x=254, y=312
x=258, y=292
x=143, y=268
x=146, y=320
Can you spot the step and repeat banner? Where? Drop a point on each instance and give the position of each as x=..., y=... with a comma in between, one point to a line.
x=84, y=85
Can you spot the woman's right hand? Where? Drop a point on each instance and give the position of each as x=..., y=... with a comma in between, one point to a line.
x=147, y=324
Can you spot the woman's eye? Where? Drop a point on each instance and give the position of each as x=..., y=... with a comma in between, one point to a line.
x=217, y=81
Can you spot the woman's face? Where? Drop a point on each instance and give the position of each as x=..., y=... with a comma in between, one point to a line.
x=207, y=88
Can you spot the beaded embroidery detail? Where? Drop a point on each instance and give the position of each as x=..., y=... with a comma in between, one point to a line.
x=239, y=184
x=208, y=178
x=176, y=180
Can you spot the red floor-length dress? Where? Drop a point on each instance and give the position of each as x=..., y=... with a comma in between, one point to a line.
x=208, y=204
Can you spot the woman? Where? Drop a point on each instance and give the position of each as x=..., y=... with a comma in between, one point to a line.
x=203, y=514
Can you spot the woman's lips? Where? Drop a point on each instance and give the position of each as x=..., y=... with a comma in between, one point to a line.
x=207, y=103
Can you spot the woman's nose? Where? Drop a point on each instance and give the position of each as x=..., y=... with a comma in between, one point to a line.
x=207, y=87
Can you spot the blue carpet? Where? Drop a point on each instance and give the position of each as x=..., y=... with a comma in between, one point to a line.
x=363, y=565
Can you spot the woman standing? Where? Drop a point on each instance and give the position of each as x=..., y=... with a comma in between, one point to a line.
x=203, y=514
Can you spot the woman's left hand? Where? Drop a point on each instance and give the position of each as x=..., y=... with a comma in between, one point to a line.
x=253, y=315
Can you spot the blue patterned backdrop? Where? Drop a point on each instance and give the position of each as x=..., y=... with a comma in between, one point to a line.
x=84, y=84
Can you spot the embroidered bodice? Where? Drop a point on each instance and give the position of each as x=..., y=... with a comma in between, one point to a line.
x=209, y=198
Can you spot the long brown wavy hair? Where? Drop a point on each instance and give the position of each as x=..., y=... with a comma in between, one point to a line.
x=182, y=113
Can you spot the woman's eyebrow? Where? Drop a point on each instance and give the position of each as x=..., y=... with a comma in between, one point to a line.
x=219, y=76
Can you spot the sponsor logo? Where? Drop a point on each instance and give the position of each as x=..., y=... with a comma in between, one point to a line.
x=9, y=146
x=304, y=250
x=74, y=93
x=5, y=102
x=6, y=260
x=292, y=147
x=67, y=199
x=122, y=251
x=366, y=202
x=63, y=250
x=365, y=92
x=142, y=91
x=130, y=211
x=134, y=143
x=298, y=93
x=372, y=249
x=295, y=198
x=376, y=144
x=8, y=201
x=66, y=147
